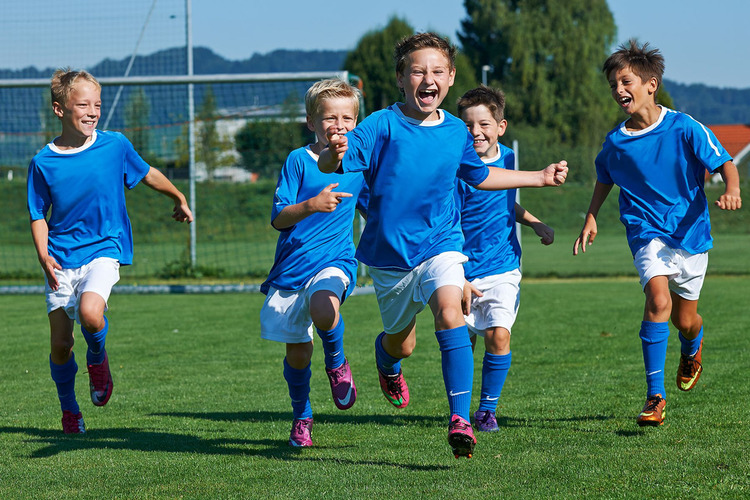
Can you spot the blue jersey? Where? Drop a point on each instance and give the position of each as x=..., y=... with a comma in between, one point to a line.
x=411, y=168
x=488, y=221
x=320, y=240
x=84, y=189
x=660, y=171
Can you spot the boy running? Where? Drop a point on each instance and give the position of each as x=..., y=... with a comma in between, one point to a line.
x=411, y=153
x=81, y=177
x=314, y=269
x=658, y=157
x=493, y=271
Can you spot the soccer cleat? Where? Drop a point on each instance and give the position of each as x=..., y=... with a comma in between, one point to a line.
x=690, y=370
x=300, y=436
x=100, y=382
x=394, y=388
x=343, y=390
x=653, y=412
x=486, y=421
x=461, y=437
x=73, y=424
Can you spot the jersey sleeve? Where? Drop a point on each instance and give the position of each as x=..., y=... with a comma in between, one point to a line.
x=472, y=169
x=287, y=188
x=361, y=142
x=363, y=199
x=602, y=172
x=38, y=199
x=135, y=168
x=706, y=146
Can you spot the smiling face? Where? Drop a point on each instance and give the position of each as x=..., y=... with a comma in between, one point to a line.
x=484, y=128
x=337, y=114
x=79, y=114
x=425, y=81
x=631, y=93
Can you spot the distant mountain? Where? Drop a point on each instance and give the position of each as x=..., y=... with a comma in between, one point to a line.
x=711, y=105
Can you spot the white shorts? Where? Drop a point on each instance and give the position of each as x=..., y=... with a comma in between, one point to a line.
x=285, y=316
x=498, y=306
x=686, y=271
x=403, y=294
x=98, y=276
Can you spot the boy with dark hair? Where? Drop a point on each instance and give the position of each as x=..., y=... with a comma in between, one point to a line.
x=80, y=177
x=411, y=153
x=658, y=158
x=493, y=271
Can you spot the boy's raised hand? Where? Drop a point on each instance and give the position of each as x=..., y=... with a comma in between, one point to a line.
x=555, y=174
x=49, y=264
x=469, y=290
x=588, y=233
x=337, y=143
x=328, y=199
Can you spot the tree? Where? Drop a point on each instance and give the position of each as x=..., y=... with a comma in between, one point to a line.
x=372, y=60
x=137, y=121
x=547, y=57
x=210, y=147
x=265, y=144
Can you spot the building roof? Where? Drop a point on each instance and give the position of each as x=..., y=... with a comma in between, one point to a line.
x=734, y=138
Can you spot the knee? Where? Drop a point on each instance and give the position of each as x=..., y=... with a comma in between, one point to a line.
x=659, y=304
x=324, y=319
x=497, y=341
x=298, y=356
x=91, y=319
x=687, y=323
x=61, y=348
x=449, y=317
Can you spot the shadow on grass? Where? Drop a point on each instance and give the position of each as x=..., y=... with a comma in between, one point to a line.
x=340, y=418
x=55, y=442
x=557, y=423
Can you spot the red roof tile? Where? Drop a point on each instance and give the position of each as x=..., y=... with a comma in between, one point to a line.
x=734, y=138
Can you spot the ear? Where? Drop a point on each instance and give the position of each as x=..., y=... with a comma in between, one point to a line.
x=310, y=124
x=653, y=85
x=400, y=82
x=452, y=76
x=501, y=127
x=58, y=109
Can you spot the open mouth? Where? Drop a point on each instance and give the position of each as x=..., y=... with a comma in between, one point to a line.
x=624, y=101
x=427, y=96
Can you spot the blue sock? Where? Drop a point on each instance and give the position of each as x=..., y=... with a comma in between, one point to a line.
x=458, y=368
x=64, y=377
x=386, y=363
x=299, y=390
x=95, y=341
x=494, y=370
x=691, y=346
x=333, y=344
x=654, y=342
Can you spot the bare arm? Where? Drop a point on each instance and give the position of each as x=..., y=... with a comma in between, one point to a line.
x=731, y=199
x=326, y=201
x=546, y=233
x=500, y=178
x=40, y=235
x=329, y=159
x=588, y=233
x=158, y=182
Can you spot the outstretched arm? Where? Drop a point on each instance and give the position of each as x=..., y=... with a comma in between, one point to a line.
x=40, y=235
x=325, y=201
x=500, y=178
x=158, y=182
x=731, y=199
x=588, y=233
x=546, y=233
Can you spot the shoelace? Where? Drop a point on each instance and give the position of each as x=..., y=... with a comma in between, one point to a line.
x=459, y=425
x=688, y=367
x=394, y=385
x=652, y=403
x=338, y=373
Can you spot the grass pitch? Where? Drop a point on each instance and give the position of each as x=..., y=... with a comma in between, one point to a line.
x=200, y=408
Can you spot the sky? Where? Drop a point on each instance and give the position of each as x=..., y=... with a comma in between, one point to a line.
x=703, y=41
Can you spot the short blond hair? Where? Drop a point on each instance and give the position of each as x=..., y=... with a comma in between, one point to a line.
x=63, y=81
x=330, y=89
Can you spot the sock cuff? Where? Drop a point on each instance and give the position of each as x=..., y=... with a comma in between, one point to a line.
x=653, y=332
x=499, y=361
x=453, y=338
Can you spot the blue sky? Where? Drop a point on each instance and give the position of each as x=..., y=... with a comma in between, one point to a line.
x=703, y=41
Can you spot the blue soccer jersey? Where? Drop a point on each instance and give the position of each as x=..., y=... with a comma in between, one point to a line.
x=320, y=240
x=83, y=187
x=660, y=171
x=488, y=221
x=411, y=168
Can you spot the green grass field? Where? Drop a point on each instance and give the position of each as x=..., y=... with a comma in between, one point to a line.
x=200, y=409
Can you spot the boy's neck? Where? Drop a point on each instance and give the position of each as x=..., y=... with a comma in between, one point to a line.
x=67, y=141
x=644, y=117
x=415, y=114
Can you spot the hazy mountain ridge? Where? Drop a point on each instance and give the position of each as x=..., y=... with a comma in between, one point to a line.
x=710, y=105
